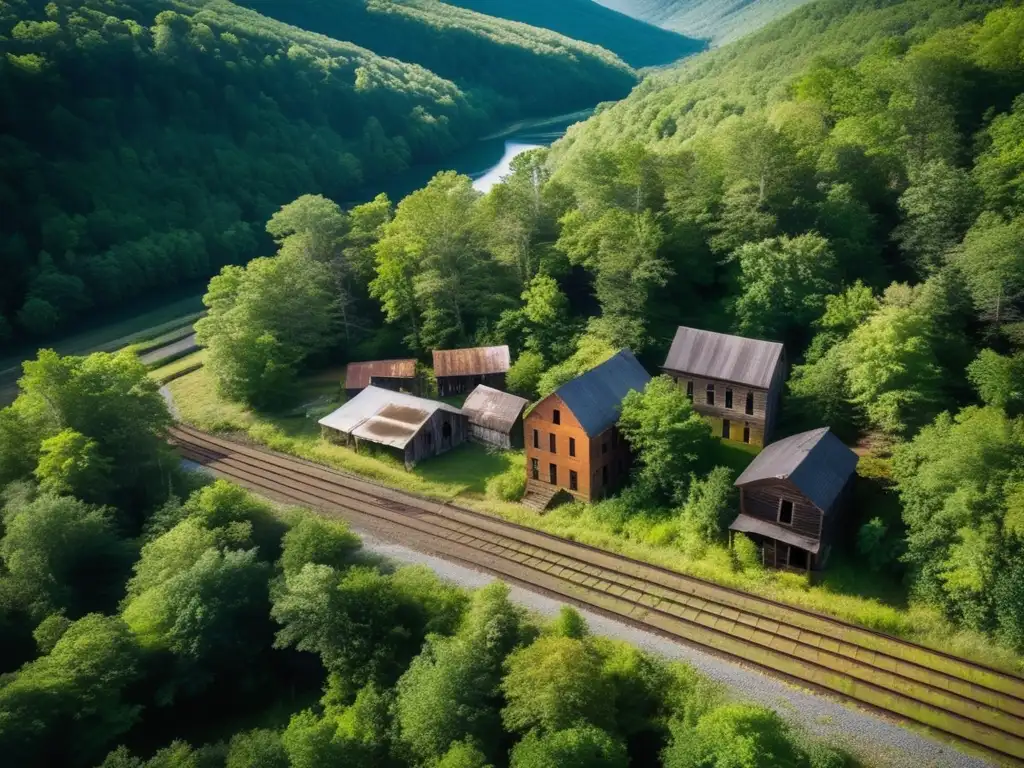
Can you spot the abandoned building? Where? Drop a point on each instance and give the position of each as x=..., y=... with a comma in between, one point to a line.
x=461, y=370
x=495, y=417
x=572, y=441
x=792, y=496
x=406, y=427
x=733, y=381
x=397, y=375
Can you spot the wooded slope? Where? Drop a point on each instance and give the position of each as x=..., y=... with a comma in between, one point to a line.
x=637, y=42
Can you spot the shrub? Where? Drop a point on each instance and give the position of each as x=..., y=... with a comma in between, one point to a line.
x=510, y=485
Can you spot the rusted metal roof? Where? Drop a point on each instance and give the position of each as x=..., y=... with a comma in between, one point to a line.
x=493, y=409
x=816, y=462
x=385, y=417
x=358, y=375
x=721, y=356
x=477, y=361
x=595, y=397
x=747, y=524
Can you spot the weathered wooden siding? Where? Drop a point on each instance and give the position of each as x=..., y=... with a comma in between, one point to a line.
x=410, y=385
x=431, y=439
x=491, y=437
x=457, y=385
x=759, y=421
x=605, y=453
x=762, y=501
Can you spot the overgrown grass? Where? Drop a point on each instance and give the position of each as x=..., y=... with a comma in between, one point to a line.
x=848, y=591
x=179, y=364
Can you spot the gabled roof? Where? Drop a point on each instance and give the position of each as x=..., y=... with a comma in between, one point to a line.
x=358, y=375
x=385, y=417
x=816, y=463
x=721, y=356
x=493, y=408
x=595, y=397
x=477, y=361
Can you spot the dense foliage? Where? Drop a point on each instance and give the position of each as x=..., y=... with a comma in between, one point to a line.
x=115, y=185
x=637, y=43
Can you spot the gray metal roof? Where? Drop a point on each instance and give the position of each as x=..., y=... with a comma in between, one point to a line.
x=595, y=397
x=493, y=409
x=747, y=524
x=816, y=463
x=385, y=417
x=721, y=356
x=476, y=361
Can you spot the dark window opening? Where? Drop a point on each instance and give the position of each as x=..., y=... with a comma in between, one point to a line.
x=689, y=389
x=797, y=558
x=746, y=433
x=750, y=402
x=572, y=446
x=573, y=480
x=786, y=512
x=536, y=439
x=725, y=429
x=430, y=438
x=553, y=474
x=728, y=397
x=709, y=395
x=604, y=447
x=446, y=431
x=556, y=416
x=535, y=468
x=604, y=475
x=551, y=442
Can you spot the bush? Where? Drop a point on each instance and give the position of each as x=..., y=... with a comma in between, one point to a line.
x=510, y=485
x=745, y=554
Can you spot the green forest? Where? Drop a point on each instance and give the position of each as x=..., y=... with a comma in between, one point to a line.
x=148, y=618
x=153, y=139
x=637, y=43
x=858, y=199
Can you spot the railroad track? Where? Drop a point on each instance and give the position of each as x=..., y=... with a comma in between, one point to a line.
x=977, y=705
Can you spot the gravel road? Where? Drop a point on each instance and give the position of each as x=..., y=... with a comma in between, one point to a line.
x=179, y=347
x=877, y=741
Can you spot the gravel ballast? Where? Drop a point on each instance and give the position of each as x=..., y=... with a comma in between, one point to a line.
x=875, y=740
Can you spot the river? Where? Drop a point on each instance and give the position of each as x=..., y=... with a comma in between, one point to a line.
x=485, y=161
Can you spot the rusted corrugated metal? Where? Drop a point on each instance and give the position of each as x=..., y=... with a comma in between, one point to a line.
x=721, y=356
x=493, y=409
x=358, y=375
x=382, y=416
x=477, y=361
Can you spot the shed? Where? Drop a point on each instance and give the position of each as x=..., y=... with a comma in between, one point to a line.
x=386, y=374
x=407, y=427
x=791, y=496
x=495, y=417
x=461, y=370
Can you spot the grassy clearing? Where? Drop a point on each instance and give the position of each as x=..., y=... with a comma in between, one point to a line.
x=178, y=365
x=176, y=334
x=848, y=591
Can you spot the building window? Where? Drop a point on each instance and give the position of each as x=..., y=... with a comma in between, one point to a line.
x=535, y=468
x=786, y=512
x=604, y=475
x=536, y=439
x=572, y=446
x=725, y=429
x=446, y=432
x=430, y=438
x=750, y=402
x=574, y=483
x=556, y=416
x=728, y=397
x=689, y=389
x=551, y=442
x=746, y=433
x=709, y=394
x=553, y=474
x=604, y=447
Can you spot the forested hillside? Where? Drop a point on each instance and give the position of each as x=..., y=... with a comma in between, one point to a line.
x=152, y=139
x=720, y=21
x=638, y=43
x=526, y=65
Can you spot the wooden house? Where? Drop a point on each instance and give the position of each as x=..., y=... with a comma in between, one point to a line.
x=495, y=417
x=792, y=496
x=404, y=426
x=461, y=370
x=733, y=381
x=397, y=375
x=572, y=441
